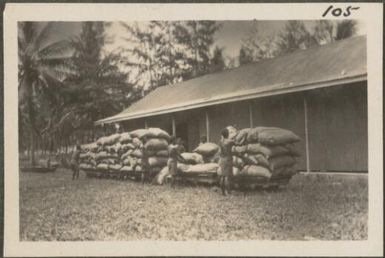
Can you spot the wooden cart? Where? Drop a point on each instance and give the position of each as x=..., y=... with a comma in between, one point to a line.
x=194, y=177
x=38, y=169
x=97, y=173
x=261, y=182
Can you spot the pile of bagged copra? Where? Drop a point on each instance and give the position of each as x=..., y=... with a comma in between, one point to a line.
x=204, y=159
x=264, y=152
x=124, y=152
x=153, y=144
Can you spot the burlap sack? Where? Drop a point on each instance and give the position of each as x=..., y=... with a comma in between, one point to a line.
x=104, y=155
x=239, y=150
x=137, y=143
x=241, y=137
x=267, y=151
x=183, y=167
x=137, y=153
x=207, y=149
x=139, y=133
x=158, y=133
x=192, y=158
x=277, y=136
x=157, y=161
x=161, y=176
x=254, y=170
x=125, y=138
x=162, y=153
x=203, y=168
x=102, y=166
x=127, y=169
x=115, y=167
x=156, y=144
x=108, y=140
x=281, y=161
x=256, y=159
x=150, y=133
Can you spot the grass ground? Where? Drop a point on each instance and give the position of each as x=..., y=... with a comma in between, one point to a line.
x=55, y=208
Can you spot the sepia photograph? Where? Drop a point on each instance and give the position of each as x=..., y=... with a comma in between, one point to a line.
x=192, y=130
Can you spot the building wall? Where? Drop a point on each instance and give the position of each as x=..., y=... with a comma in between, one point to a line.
x=132, y=124
x=338, y=128
x=161, y=121
x=221, y=116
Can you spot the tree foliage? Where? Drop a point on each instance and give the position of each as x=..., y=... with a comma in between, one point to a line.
x=42, y=67
x=217, y=62
x=166, y=52
x=98, y=88
x=295, y=35
x=196, y=39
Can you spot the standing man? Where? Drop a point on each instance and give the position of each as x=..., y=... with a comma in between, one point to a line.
x=75, y=163
x=144, y=164
x=174, y=154
x=225, y=161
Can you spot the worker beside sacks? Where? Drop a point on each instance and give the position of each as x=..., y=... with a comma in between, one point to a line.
x=266, y=152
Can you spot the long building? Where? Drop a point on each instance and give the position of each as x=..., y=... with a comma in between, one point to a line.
x=319, y=93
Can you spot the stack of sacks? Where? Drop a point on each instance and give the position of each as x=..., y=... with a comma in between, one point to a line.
x=209, y=152
x=87, y=156
x=199, y=161
x=130, y=153
x=154, y=142
x=265, y=151
x=204, y=159
x=107, y=156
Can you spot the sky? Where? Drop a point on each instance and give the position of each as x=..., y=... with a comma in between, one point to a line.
x=229, y=36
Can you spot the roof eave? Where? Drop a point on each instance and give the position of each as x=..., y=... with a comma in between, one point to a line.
x=233, y=98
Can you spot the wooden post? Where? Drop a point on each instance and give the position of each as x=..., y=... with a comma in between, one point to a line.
x=306, y=134
x=145, y=123
x=173, y=126
x=251, y=115
x=207, y=125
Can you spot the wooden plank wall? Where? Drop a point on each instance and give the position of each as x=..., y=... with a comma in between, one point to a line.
x=338, y=135
x=221, y=116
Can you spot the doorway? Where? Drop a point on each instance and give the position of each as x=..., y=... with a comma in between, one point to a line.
x=182, y=132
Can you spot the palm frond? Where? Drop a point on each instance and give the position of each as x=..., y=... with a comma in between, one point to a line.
x=57, y=49
x=42, y=37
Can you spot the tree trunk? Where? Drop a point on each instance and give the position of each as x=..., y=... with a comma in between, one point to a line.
x=33, y=162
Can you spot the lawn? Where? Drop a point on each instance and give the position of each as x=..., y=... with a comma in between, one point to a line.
x=55, y=208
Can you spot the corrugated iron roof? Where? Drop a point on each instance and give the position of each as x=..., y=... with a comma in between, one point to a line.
x=318, y=66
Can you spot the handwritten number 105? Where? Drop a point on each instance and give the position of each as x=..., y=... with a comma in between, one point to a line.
x=337, y=12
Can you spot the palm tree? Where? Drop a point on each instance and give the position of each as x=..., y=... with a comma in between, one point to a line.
x=42, y=67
